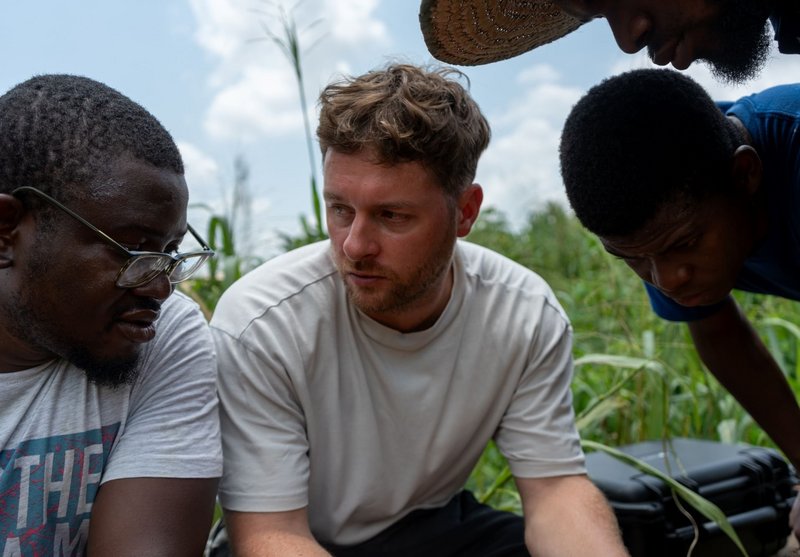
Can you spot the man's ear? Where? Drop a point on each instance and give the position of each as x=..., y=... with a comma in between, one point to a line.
x=11, y=212
x=469, y=206
x=747, y=170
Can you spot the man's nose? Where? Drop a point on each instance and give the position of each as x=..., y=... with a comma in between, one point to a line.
x=669, y=276
x=361, y=240
x=159, y=288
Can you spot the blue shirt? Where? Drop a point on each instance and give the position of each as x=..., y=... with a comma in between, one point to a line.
x=773, y=119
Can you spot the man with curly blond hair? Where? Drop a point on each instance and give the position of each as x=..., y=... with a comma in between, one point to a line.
x=362, y=377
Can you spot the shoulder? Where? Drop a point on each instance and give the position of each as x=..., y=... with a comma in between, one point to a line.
x=182, y=335
x=180, y=315
x=496, y=277
x=494, y=269
x=781, y=101
x=771, y=118
x=303, y=277
x=179, y=305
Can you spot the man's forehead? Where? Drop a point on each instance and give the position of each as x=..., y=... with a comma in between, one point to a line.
x=581, y=10
x=669, y=223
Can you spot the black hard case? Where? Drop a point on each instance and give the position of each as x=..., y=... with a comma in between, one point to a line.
x=751, y=485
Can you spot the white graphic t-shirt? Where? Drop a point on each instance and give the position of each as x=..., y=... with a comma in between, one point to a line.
x=62, y=437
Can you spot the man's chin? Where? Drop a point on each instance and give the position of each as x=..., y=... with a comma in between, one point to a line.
x=742, y=57
x=114, y=373
x=735, y=74
x=701, y=299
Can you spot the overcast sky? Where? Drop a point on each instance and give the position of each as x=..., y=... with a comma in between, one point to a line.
x=206, y=69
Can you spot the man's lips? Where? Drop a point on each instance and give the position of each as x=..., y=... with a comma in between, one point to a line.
x=676, y=51
x=664, y=54
x=690, y=300
x=362, y=277
x=137, y=324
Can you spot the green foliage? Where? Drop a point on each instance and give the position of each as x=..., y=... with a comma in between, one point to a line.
x=229, y=264
x=660, y=387
x=637, y=377
x=223, y=269
x=288, y=41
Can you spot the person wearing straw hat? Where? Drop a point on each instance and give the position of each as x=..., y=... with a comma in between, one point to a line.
x=698, y=199
x=732, y=36
x=361, y=378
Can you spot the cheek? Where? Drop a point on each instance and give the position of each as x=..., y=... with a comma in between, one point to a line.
x=337, y=237
x=641, y=268
x=83, y=285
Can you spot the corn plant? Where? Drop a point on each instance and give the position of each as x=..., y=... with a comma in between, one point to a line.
x=288, y=41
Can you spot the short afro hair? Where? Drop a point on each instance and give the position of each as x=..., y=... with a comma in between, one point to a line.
x=59, y=132
x=639, y=140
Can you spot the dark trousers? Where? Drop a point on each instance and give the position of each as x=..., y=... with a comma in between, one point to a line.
x=462, y=528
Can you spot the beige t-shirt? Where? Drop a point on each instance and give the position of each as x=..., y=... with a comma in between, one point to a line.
x=323, y=407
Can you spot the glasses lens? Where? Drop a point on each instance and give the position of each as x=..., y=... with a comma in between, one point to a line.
x=187, y=266
x=141, y=269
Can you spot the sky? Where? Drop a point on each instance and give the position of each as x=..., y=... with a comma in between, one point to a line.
x=209, y=72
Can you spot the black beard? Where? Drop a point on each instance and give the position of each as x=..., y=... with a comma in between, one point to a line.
x=112, y=373
x=746, y=37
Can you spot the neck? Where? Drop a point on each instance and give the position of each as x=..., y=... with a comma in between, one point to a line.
x=741, y=130
x=18, y=356
x=425, y=312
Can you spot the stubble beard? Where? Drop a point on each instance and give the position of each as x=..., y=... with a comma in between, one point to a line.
x=403, y=294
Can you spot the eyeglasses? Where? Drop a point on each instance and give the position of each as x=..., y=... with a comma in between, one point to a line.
x=141, y=266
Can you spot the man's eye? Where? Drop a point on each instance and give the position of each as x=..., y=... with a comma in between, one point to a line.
x=687, y=244
x=394, y=217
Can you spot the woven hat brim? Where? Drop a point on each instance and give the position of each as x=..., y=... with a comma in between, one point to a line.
x=475, y=32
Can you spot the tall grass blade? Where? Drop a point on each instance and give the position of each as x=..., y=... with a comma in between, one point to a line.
x=701, y=504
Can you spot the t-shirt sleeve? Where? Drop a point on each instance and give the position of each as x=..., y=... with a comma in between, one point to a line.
x=666, y=308
x=538, y=435
x=265, y=445
x=172, y=429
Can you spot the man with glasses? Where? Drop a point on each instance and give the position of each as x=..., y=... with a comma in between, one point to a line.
x=109, y=440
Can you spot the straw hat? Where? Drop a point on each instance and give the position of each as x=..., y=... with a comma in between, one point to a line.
x=473, y=32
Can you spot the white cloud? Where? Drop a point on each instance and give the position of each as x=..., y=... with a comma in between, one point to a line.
x=351, y=22
x=221, y=25
x=201, y=172
x=254, y=82
x=263, y=102
x=538, y=73
x=520, y=171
